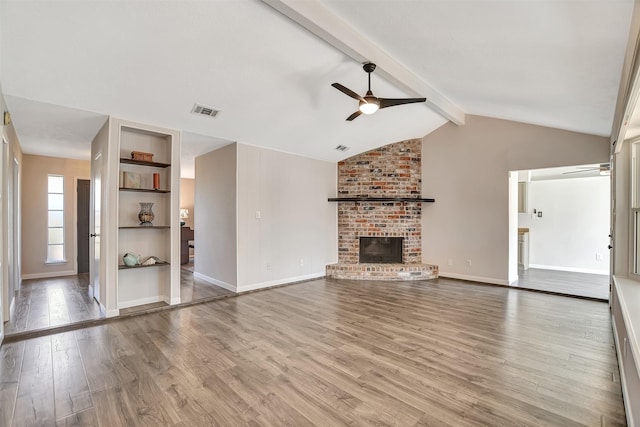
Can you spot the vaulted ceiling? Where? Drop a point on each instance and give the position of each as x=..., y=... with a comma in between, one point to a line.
x=268, y=66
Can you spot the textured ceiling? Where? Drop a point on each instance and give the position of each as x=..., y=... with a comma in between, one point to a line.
x=67, y=65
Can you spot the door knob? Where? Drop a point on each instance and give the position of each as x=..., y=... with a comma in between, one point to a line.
x=610, y=247
x=92, y=235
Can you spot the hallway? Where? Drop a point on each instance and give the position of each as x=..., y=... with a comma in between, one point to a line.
x=60, y=301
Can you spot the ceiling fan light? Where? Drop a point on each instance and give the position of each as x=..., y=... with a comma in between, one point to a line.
x=369, y=107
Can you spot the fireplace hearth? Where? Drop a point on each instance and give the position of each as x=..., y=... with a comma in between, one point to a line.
x=381, y=250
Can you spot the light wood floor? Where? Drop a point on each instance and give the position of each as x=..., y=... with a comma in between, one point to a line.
x=59, y=301
x=565, y=282
x=326, y=352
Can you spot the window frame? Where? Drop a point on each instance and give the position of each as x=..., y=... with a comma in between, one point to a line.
x=63, y=259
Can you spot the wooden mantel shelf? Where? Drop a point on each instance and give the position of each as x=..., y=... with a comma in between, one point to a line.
x=380, y=199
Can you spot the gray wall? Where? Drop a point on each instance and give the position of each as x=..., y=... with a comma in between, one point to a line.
x=262, y=217
x=466, y=169
x=215, y=219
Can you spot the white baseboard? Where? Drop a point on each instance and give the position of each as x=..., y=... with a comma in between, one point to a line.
x=225, y=285
x=261, y=285
x=109, y=313
x=173, y=301
x=47, y=275
x=141, y=301
x=474, y=278
x=571, y=269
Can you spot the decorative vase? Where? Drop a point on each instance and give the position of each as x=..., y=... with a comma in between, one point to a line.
x=130, y=259
x=146, y=214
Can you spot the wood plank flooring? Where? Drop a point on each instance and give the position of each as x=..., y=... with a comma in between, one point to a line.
x=565, y=282
x=328, y=352
x=44, y=303
x=59, y=301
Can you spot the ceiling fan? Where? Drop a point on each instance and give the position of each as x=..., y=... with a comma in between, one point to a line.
x=603, y=169
x=369, y=104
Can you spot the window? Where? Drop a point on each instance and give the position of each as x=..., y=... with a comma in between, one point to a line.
x=55, y=220
x=635, y=206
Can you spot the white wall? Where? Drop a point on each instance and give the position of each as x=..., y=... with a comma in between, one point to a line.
x=466, y=169
x=215, y=236
x=262, y=217
x=296, y=234
x=574, y=226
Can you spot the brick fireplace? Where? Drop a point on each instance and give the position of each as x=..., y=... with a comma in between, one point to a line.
x=389, y=172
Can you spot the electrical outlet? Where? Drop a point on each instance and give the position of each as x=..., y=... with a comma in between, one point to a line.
x=468, y=263
x=268, y=267
x=449, y=261
x=301, y=262
x=598, y=256
x=258, y=214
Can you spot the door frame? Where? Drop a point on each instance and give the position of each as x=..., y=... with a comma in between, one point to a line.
x=17, y=226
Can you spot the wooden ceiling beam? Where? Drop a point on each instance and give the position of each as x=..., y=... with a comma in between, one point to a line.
x=321, y=21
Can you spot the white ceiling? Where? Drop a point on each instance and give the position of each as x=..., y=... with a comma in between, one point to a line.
x=67, y=65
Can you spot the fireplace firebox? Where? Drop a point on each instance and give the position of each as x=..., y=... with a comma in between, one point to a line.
x=381, y=250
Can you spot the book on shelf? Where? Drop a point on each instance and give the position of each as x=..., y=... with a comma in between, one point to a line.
x=131, y=180
x=135, y=180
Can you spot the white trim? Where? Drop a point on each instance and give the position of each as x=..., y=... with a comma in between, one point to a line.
x=225, y=285
x=623, y=381
x=47, y=275
x=571, y=269
x=17, y=225
x=474, y=278
x=141, y=301
x=12, y=308
x=261, y=285
x=173, y=301
x=110, y=313
x=628, y=292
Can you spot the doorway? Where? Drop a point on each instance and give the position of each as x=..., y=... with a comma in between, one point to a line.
x=83, y=200
x=563, y=222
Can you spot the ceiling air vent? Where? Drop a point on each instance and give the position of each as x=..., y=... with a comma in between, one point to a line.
x=204, y=110
x=342, y=148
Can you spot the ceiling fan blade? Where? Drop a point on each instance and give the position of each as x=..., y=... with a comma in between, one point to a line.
x=347, y=91
x=387, y=102
x=354, y=115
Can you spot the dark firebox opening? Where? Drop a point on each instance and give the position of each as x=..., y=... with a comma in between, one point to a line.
x=381, y=250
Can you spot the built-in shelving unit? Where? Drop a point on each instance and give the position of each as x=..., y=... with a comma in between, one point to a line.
x=380, y=199
x=144, y=284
